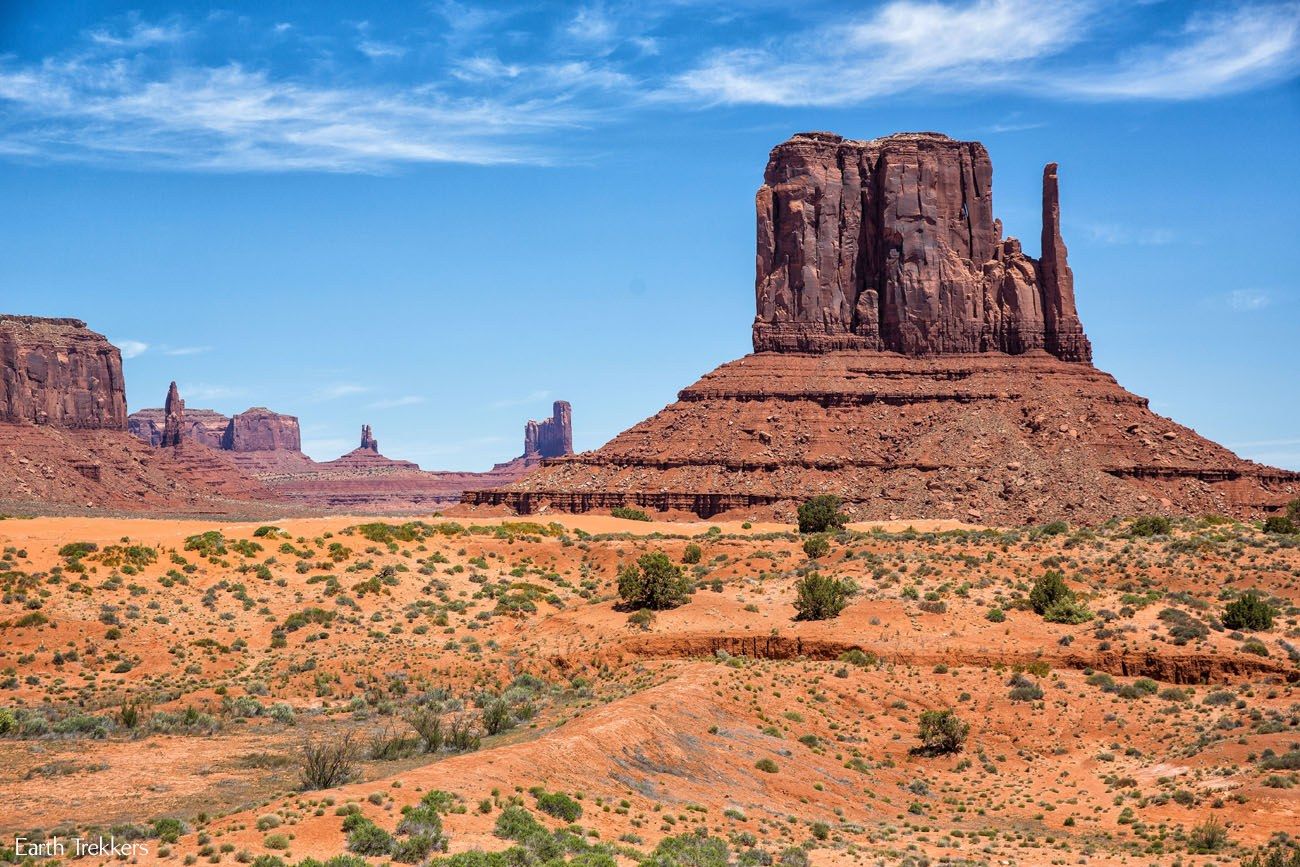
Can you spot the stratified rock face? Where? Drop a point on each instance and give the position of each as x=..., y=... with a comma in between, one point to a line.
x=203, y=426
x=891, y=245
x=173, y=418
x=911, y=361
x=552, y=437
x=57, y=372
x=368, y=441
x=260, y=430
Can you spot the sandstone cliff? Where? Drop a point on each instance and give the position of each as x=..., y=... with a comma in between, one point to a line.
x=911, y=360
x=260, y=430
x=58, y=372
x=891, y=245
x=552, y=437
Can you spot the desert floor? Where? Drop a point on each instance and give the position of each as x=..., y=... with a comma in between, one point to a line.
x=154, y=670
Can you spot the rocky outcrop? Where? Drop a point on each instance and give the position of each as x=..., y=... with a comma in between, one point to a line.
x=911, y=361
x=258, y=429
x=57, y=372
x=203, y=426
x=891, y=245
x=552, y=437
x=368, y=441
x=173, y=418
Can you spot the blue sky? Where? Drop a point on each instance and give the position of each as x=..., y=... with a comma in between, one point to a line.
x=438, y=217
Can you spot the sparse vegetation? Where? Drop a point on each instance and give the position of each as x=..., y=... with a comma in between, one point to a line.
x=821, y=514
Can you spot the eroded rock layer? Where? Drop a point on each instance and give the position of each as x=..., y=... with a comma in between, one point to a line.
x=891, y=245
x=985, y=438
x=58, y=372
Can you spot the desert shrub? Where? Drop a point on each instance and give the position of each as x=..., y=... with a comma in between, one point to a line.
x=1248, y=612
x=75, y=550
x=1209, y=836
x=942, y=731
x=385, y=534
x=692, y=554
x=209, y=544
x=767, y=766
x=816, y=546
x=516, y=823
x=1024, y=689
x=1150, y=525
x=821, y=597
x=995, y=615
x=629, y=514
x=428, y=726
x=267, y=530
x=1280, y=525
x=653, y=582
x=559, y=805
x=496, y=716
x=7, y=721
x=326, y=763
x=1055, y=528
x=1067, y=610
x=365, y=837
x=858, y=658
x=1275, y=856
x=821, y=514
x=1048, y=590
x=689, y=850
x=1293, y=511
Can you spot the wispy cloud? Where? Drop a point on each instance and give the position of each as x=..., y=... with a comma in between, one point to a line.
x=391, y=403
x=531, y=397
x=380, y=50
x=1114, y=234
x=336, y=391
x=131, y=348
x=1248, y=299
x=193, y=392
x=184, y=350
x=137, y=34
x=1213, y=54
x=910, y=45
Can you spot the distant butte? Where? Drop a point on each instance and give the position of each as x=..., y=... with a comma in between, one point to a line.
x=910, y=359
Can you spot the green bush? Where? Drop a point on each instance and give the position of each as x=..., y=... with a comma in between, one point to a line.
x=367, y=838
x=653, y=582
x=816, y=546
x=1067, y=610
x=692, y=554
x=689, y=850
x=1280, y=525
x=1248, y=612
x=1293, y=511
x=628, y=513
x=821, y=597
x=1150, y=525
x=559, y=805
x=1047, y=591
x=821, y=514
x=942, y=731
x=995, y=615
x=767, y=766
x=209, y=544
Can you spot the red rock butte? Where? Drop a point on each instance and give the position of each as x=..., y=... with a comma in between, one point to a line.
x=910, y=359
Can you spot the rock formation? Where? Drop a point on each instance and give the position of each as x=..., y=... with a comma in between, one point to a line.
x=198, y=426
x=258, y=429
x=891, y=245
x=58, y=372
x=173, y=418
x=368, y=441
x=63, y=426
x=911, y=360
x=552, y=437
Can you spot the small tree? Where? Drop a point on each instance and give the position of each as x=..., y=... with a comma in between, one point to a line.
x=821, y=597
x=428, y=725
x=327, y=763
x=1249, y=612
x=816, y=546
x=692, y=553
x=1280, y=525
x=942, y=731
x=1047, y=591
x=653, y=582
x=496, y=715
x=1293, y=511
x=821, y=514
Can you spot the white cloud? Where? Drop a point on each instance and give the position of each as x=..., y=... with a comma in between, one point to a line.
x=185, y=350
x=1248, y=299
x=391, y=403
x=1114, y=234
x=139, y=35
x=905, y=45
x=131, y=348
x=203, y=391
x=1218, y=54
x=592, y=24
x=234, y=119
x=999, y=45
x=380, y=50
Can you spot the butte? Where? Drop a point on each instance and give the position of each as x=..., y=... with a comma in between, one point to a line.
x=911, y=360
